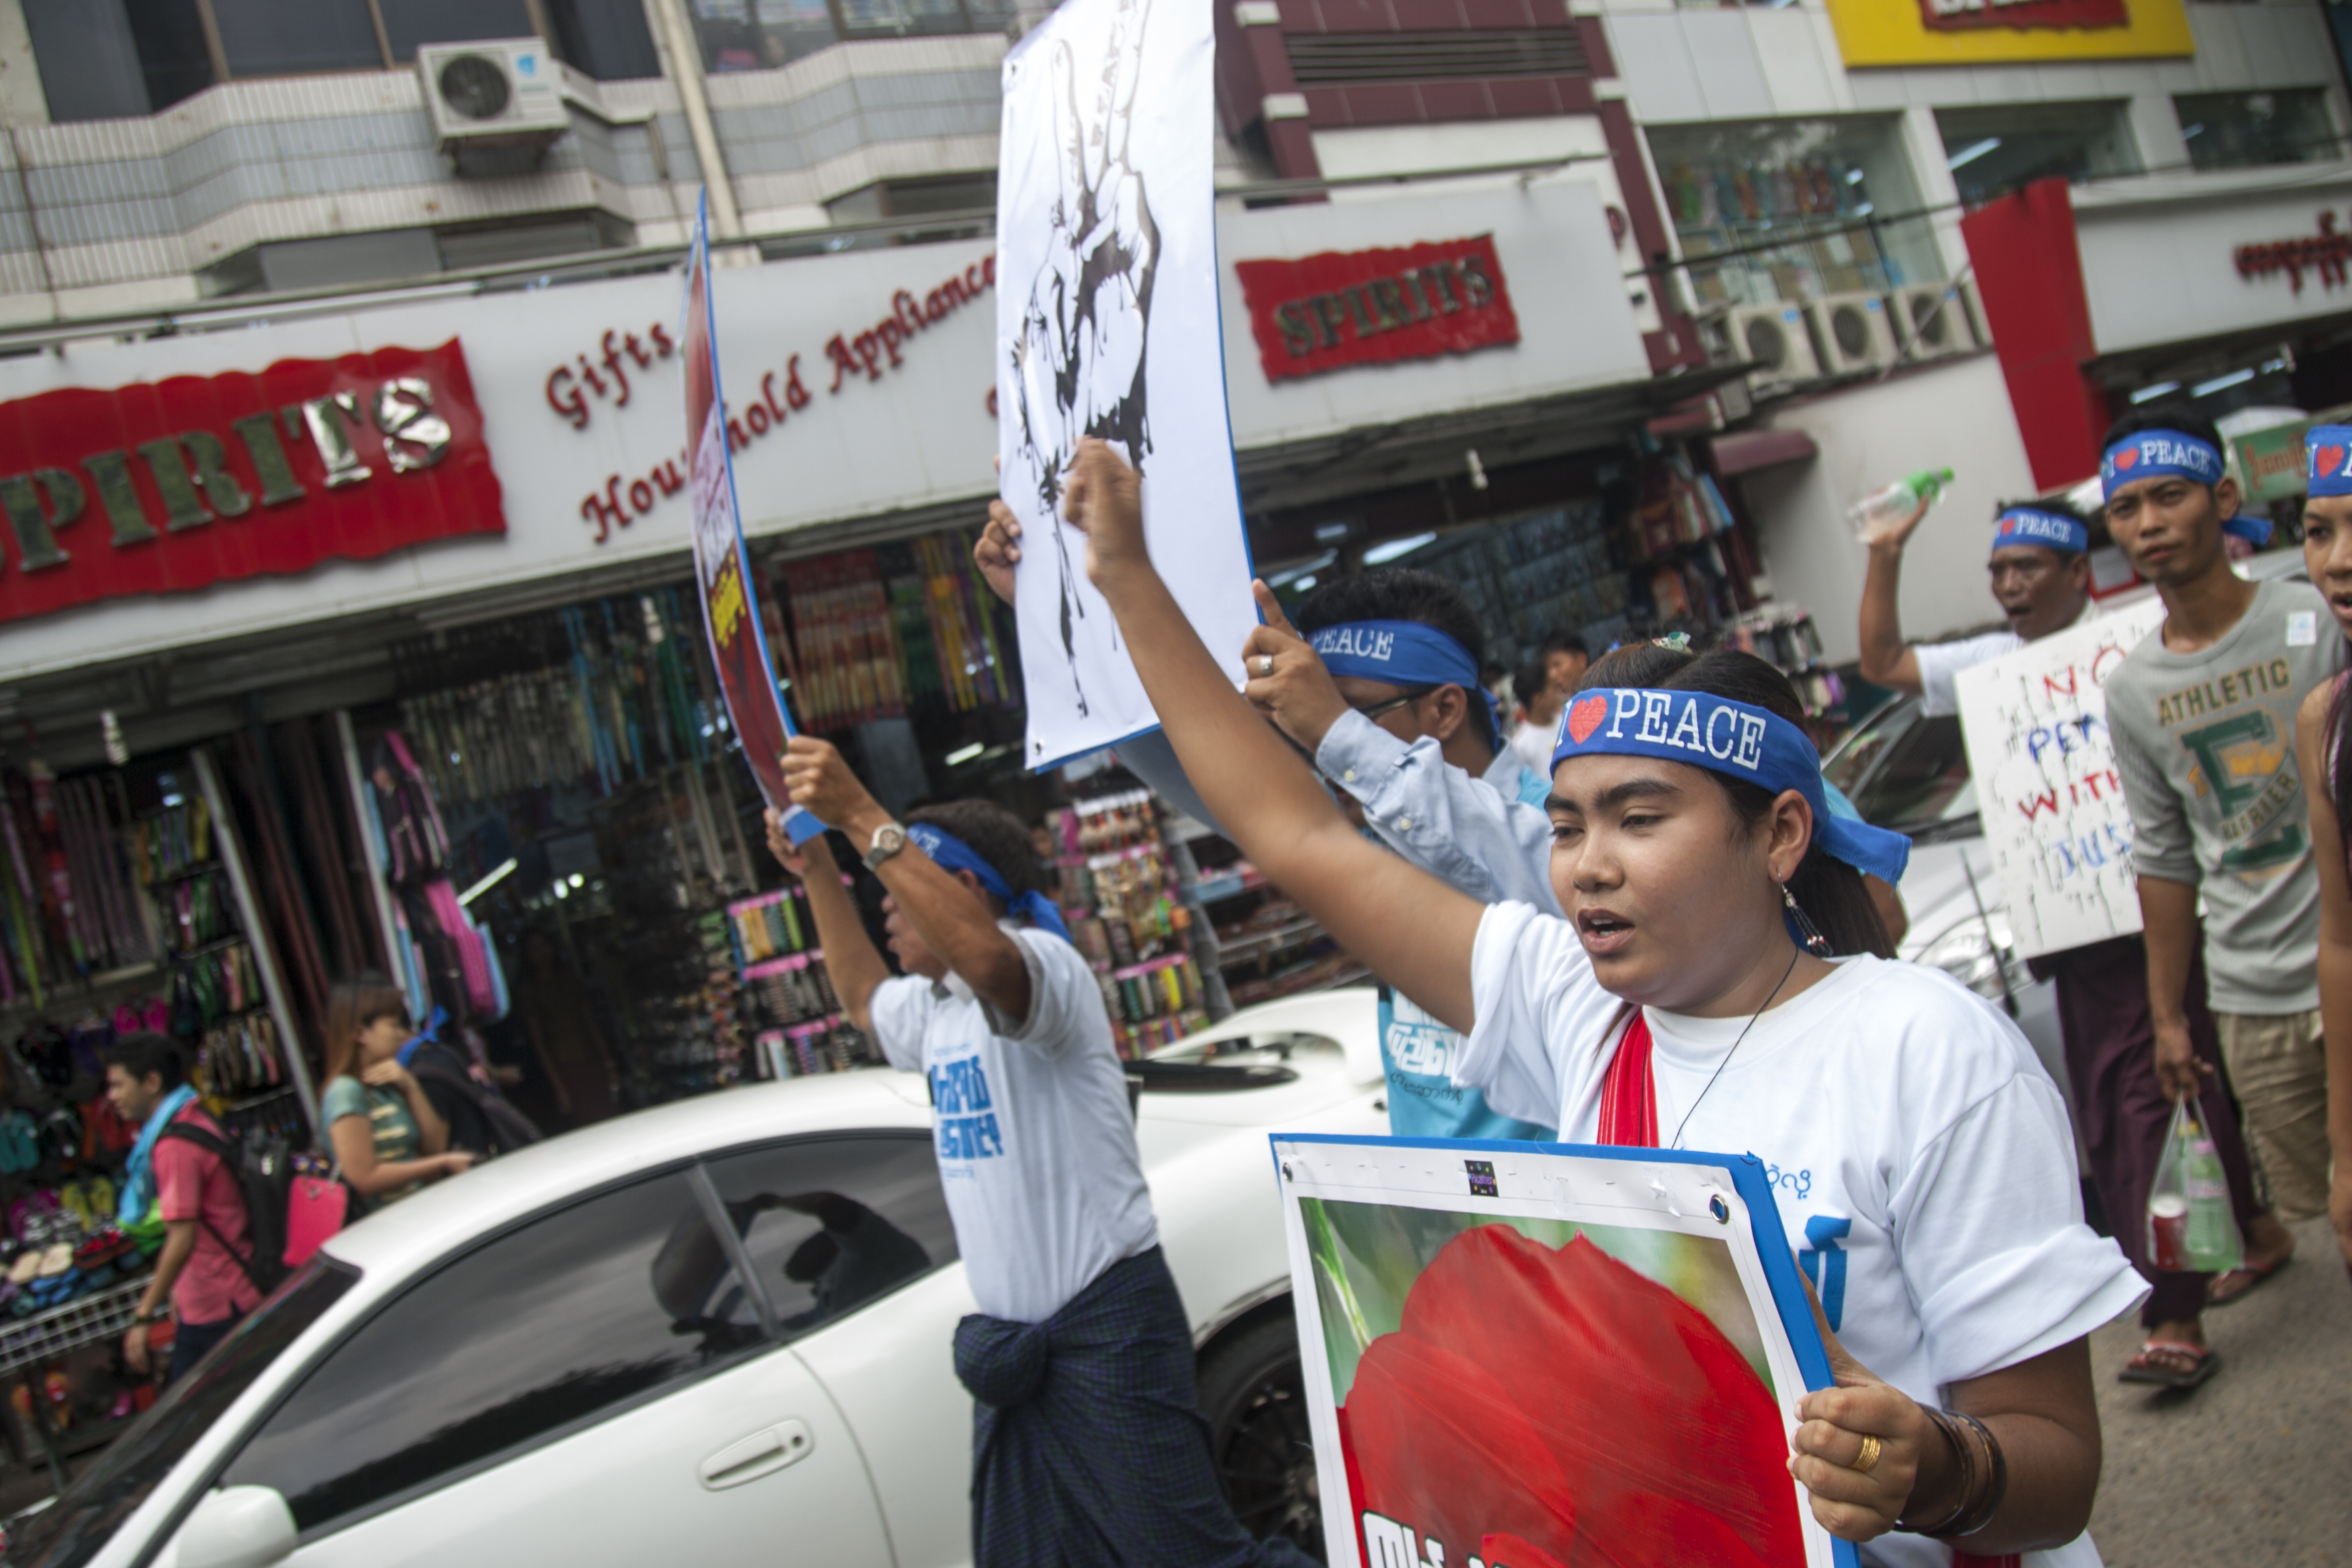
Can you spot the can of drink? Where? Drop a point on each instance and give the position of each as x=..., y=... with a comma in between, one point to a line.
x=2167, y=1230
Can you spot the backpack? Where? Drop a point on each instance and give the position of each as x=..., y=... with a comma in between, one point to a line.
x=264, y=1169
x=509, y=1129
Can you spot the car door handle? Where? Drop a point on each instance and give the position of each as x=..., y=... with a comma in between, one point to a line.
x=760, y=1454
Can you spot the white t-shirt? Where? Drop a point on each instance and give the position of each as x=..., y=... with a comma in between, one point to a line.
x=1920, y=1156
x=1533, y=742
x=1939, y=662
x=1036, y=1145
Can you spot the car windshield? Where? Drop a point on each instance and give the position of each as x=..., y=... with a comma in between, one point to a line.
x=71, y=1531
x=1905, y=770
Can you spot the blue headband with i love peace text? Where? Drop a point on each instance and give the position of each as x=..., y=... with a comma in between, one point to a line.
x=2175, y=454
x=1729, y=738
x=2051, y=529
x=2327, y=458
x=952, y=854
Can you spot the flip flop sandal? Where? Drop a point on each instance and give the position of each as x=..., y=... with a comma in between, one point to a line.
x=2255, y=1273
x=28, y=1265
x=57, y=1261
x=2147, y=1364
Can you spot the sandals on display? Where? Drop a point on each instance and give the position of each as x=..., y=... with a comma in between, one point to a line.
x=2171, y=1364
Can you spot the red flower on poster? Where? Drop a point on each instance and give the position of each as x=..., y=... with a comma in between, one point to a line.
x=1555, y=1409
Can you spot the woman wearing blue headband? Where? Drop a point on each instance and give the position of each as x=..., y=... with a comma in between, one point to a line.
x=2322, y=731
x=1919, y=1151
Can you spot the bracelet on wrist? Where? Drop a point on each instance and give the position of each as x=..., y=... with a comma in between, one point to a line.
x=1963, y=1455
x=1996, y=1484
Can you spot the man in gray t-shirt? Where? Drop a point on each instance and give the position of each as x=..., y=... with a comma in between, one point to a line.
x=2202, y=715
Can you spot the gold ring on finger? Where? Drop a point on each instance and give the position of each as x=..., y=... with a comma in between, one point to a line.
x=1867, y=1461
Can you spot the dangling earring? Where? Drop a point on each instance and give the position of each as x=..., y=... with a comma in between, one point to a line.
x=1807, y=932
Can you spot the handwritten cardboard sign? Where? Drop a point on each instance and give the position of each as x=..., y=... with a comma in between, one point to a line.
x=2047, y=791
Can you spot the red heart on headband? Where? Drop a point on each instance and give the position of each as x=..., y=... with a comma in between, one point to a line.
x=2126, y=458
x=2331, y=459
x=1584, y=716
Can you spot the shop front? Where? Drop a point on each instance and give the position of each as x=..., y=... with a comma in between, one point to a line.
x=361, y=639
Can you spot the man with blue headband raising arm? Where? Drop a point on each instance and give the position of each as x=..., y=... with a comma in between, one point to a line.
x=1087, y=1446
x=2202, y=716
x=2041, y=576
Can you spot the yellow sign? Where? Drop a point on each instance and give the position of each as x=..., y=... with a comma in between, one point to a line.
x=1977, y=32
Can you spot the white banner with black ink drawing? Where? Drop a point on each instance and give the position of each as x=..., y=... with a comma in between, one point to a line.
x=1107, y=325
x=2055, y=824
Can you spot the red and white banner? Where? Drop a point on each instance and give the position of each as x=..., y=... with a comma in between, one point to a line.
x=1969, y=15
x=1337, y=308
x=193, y=480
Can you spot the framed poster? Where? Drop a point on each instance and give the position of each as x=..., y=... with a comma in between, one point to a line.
x=2035, y=723
x=1107, y=325
x=722, y=565
x=1511, y=1347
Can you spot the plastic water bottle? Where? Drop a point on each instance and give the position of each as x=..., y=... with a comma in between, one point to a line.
x=1875, y=515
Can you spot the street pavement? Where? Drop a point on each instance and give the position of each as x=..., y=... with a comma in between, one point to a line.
x=2254, y=1468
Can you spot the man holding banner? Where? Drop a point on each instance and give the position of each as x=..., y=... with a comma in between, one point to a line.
x=2123, y=1103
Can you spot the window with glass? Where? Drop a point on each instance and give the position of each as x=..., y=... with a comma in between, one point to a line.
x=2245, y=129
x=1794, y=209
x=1994, y=149
x=105, y=59
x=760, y=35
x=831, y=1224
x=537, y=1332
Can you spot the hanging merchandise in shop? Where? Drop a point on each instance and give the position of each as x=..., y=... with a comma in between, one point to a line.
x=875, y=630
x=1327, y=311
x=1119, y=894
x=170, y=486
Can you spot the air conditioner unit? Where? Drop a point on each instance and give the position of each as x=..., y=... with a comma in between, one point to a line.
x=1774, y=337
x=506, y=92
x=1854, y=331
x=1933, y=318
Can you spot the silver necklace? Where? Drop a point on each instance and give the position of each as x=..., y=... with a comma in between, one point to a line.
x=1677, y=1141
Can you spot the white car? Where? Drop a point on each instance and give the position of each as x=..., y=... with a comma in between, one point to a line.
x=1908, y=772
x=715, y=1332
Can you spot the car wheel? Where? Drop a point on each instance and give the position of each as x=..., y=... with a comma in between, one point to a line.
x=1254, y=1398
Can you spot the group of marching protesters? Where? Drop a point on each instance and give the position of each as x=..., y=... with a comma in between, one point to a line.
x=1662, y=928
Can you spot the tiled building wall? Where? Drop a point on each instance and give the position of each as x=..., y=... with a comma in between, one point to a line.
x=126, y=212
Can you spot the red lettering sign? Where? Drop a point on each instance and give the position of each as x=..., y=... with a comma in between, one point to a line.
x=1971, y=16
x=1327, y=311
x=200, y=479
x=2325, y=255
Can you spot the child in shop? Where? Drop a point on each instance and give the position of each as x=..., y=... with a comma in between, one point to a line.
x=1695, y=997
x=1036, y=1147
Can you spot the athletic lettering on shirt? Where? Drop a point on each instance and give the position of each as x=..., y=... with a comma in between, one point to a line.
x=968, y=1129
x=2213, y=696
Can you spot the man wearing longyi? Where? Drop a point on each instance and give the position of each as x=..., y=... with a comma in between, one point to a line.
x=1708, y=886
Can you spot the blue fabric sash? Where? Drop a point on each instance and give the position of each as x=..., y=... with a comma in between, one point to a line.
x=954, y=855
x=1729, y=738
x=139, y=1171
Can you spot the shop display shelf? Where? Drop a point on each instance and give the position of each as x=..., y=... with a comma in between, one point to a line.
x=86, y=1320
x=1225, y=885
x=1248, y=947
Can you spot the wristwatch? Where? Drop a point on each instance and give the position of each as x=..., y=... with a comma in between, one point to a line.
x=888, y=839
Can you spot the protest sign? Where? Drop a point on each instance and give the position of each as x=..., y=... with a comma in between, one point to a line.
x=2055, y=824
x=722, y=566
x=1512, y=1354
x=1107, y=325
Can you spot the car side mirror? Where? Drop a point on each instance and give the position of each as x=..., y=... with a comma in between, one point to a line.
x=238, y=1527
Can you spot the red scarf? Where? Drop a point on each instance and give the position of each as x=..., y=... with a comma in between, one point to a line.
x=1628, y=1120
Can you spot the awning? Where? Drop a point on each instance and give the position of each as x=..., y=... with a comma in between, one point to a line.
x=1739, y=452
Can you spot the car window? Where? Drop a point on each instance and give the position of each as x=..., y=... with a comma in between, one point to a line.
x=1848, y=766
x=71, y=1530
x=537, y=1330
x=833, y=1223
x=1921, y=770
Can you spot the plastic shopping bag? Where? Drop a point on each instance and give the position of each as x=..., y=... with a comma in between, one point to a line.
x=2190, y=1227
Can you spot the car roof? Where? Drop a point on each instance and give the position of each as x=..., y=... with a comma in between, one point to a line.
x=405, y=1236
x=513, y=1186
